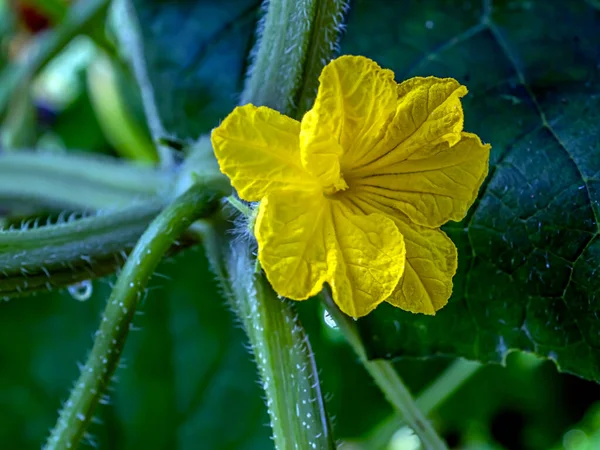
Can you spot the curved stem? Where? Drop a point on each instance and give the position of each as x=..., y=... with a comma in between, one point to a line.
x=118, y=315
x=385, y=376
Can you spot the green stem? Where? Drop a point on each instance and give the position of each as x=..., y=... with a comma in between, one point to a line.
x=201, y=166
x=51, y=256
x=78, y=181
x=280, y=345
x=48, y=45
x=296, y=40
x=329, y=16
x=446, y=384
x=385, y=376
x=429, y=400
x=130, y=37
x=118, y=315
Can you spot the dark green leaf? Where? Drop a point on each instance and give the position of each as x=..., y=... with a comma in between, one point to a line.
x=188, y=381
x=529, y=248
x=194, y=55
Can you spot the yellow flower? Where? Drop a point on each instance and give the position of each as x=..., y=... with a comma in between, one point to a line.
x=355, y=193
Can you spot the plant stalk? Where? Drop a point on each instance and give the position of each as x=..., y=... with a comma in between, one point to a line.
x=295, y=41
x=280, y=345
x=110, y=338
x=78, y=181
x=387, y=379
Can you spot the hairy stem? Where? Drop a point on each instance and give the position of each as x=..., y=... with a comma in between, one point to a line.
x=295, y=40
x=388, y=380
x=44, y=257
x=280, y=345
x=287, y=38
x=118, y=315
x=326, y=31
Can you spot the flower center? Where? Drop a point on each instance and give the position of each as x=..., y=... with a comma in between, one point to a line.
x=339, y=185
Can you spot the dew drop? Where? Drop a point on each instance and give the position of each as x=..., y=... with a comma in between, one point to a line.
x=81, y=291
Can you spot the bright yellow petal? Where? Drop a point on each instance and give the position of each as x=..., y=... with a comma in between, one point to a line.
x=428, y=113
x=320, y=152
x=355, y=101
x=291, y=230
x=433, y=190
x=305, y=240
x=258, y=149
x=431, y=262
x=369, y=259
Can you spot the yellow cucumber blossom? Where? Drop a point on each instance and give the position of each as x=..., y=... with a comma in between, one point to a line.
x=355, y=193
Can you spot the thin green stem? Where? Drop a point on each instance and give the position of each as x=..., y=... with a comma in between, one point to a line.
x=79, y=18
x=280, y=345
x=387, y=379
x=429, y=400
x=130, y=36
x=446, y=384
x=78, y=181
x=118, y=315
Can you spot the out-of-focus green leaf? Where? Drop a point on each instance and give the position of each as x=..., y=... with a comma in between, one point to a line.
x=193, y=56
x=529, y=249
x=188, y=383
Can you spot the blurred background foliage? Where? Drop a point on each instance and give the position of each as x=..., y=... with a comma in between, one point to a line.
x=187, y=379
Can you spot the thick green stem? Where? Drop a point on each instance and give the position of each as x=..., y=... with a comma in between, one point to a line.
x=280, y=345
x=78, y=181
x=329, y=17
x=50, y=256
x=77, y=20
x=118, y=315
x=296, y=38
x=388, y=380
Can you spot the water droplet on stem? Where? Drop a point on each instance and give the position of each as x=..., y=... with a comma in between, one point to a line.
x=81, y=291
